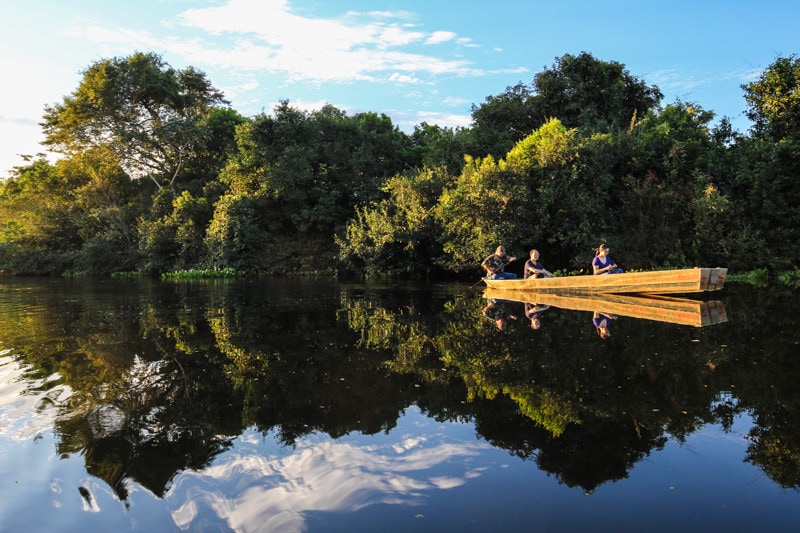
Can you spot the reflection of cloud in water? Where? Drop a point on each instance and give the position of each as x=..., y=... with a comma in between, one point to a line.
x=253, y=492
x=251, y=487
x=28, y=406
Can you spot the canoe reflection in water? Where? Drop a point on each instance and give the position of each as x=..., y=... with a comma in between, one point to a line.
x=683, y=311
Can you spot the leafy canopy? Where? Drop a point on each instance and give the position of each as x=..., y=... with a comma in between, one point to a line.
x=147, y=113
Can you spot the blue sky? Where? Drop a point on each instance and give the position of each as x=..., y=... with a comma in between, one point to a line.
x=416, y=61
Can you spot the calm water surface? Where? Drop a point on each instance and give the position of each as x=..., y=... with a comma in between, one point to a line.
x=324, y=406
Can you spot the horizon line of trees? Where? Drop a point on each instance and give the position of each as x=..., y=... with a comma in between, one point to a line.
x=158, y=174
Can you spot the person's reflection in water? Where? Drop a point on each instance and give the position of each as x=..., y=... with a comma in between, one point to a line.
x=601, y=322
x=532, y=312
x=496, y=310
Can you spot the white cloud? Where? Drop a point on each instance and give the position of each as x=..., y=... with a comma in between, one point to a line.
x=674, y=81
x=407, y=121
x=403, y=78
x=255, y=50
x=23, y=137
x=251, y=491
x=438, y=37
x=268, y=36
x=27, y=406
x=311, y=106
x=455, y=101
x=451, y=120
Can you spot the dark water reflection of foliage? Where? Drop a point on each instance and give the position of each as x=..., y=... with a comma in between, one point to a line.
x=164, y=375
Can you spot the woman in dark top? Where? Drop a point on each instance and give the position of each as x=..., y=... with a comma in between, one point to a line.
x=602, y=264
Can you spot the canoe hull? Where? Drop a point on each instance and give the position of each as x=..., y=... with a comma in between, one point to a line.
x=687, y=280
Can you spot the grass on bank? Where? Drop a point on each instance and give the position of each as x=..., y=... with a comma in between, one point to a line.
x=230, y=273
x=758, y=278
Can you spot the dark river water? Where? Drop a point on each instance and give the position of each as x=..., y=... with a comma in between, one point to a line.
x=317, y=405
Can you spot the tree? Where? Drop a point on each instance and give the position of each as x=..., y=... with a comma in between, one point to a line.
x=434, y=146
x=766, y=197
x=175, y=241
x=580, y=91
x=147, y=113
x=585, y=92
x=296, y=180
x=569, y=190
x=774, y=100
x=37, y=226
x=397, y=235
x=504, y=119
x=552, y=192
x=480, y=211
x=77, y=215
x=671, y=209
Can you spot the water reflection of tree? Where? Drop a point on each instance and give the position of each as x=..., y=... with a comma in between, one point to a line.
x=775, y=441
x=301, y=370
x=604, y=406
x=159, y=388
x=154, y=421
x=586, y=455
x=146, y=400
x=758, y=376
x=761, y=379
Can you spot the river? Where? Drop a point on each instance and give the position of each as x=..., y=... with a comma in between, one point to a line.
x=319, y=405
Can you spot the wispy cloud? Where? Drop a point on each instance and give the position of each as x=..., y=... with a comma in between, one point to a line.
x=438, y=37
x=252, y=491
x=370, y=46
x=675, y=81
x=266, y=36
x=257, y=48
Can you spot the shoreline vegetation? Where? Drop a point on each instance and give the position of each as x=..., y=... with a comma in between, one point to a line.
x=758, y=278
x=158, y=176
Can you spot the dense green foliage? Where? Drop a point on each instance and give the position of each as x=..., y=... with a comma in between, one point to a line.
x=159, y=175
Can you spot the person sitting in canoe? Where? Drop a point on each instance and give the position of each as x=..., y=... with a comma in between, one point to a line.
x=495, y=263
x=534, y=268
x=602, y=264
x=601, y=323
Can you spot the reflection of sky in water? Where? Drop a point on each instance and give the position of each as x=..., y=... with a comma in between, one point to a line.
x=256, y=487
x=420, y=475
x=25, y=403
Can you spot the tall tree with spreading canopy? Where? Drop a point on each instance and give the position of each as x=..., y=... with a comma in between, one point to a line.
x=765, y=182
x=774, y=100
x=584, y=92
x=150, y=115
x=296, y=180
x=580, y=91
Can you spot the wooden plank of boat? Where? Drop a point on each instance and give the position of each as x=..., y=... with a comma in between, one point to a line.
x=686, y=280
x=649, y=307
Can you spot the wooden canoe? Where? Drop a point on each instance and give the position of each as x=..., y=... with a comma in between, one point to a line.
x=656, y=282
x=659, y=308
